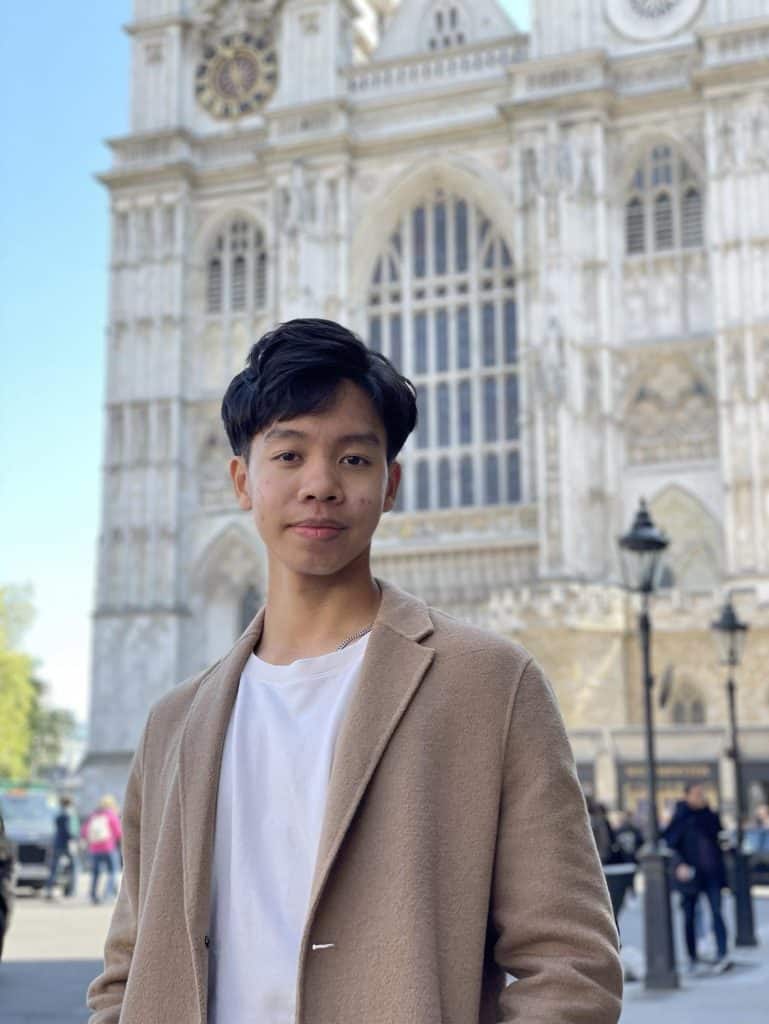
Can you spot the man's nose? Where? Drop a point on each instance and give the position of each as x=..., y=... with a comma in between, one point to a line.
x=320, y=484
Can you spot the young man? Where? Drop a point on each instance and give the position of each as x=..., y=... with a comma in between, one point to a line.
x=367, y=811
x=699, y=869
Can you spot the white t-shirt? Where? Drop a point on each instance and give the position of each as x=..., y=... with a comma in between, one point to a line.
x=272, y=796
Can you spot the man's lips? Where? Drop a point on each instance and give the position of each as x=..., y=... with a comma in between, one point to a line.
x=318, y=529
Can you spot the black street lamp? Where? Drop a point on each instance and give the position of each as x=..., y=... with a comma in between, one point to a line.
x=731, y=635
x=641, y=559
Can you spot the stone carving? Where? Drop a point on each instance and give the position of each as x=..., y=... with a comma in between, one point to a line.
x=694, y=556
x=234, y=15
x=516, y=523
x=213, y=457
x=735, y=368
x=586, y=189
x=727, y=150
x=592, y=383
x=667, y=296
x=550, y=372
x=672, y=416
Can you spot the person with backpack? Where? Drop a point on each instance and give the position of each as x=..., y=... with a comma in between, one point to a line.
x=102, y=833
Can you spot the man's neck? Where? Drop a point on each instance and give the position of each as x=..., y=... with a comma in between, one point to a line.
x=308, y=616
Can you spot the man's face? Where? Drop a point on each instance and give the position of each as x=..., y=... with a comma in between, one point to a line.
x=318, y=484
x=696, y=797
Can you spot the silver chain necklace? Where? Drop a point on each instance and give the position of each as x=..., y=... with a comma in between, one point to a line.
x=354, y=637
x=362, y=633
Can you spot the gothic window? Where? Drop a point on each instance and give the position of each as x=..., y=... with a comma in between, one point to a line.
x=634, y=226
x=442, y=306
x=663, y=222
x=446, y=26
x=691, y=218
x=236, y=270
x=689, y=706
x=664, y=207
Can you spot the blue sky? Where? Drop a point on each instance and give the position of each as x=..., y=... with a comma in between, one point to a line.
x=64, y=83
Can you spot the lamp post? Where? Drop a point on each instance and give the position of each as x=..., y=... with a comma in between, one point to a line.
x=641, y=560
x=731, y=635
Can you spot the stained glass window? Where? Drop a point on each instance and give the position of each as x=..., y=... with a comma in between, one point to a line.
x=442, y=294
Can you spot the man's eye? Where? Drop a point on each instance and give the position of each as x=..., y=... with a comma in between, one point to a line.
x=286, y=457
x=358, y=460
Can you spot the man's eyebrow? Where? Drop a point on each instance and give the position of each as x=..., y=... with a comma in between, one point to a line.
x=287, y=433
x=369, y=437
x=282, y=433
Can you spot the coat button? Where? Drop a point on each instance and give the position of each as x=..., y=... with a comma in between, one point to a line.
x=206, y=941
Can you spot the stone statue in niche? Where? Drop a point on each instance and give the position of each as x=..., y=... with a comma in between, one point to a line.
x=558, y=173
x=735, y=368
x=727, y=142
x=214, y=481
x=551, y=366
x=592, y=372
x=586, y=187
x=529, y=172
x=759, y=135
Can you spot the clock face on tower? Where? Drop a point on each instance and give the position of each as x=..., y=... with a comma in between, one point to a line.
x=647, y=20
x=238, y=75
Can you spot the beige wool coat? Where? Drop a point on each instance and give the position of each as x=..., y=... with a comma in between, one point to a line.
x=455, y=848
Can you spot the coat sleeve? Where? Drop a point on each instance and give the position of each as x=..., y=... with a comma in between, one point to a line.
x=553, y=926
x=105, y=993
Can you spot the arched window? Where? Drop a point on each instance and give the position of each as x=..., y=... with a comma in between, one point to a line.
x=663, y=222
x=446, y=26
x=442, y=307
x=688, y=706
x=663, y=208
x=634, y=226
x=214, y=285
x=236, y=270
x=691, y=218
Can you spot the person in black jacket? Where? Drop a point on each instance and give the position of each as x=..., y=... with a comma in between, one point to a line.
x=692, y=835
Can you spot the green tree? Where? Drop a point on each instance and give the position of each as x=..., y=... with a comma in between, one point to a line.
x=17, y=691
x=49, y=729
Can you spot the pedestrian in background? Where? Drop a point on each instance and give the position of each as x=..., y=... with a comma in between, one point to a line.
x=65, y=843
x=628, y=837
x=699, y=870
x=102, y=833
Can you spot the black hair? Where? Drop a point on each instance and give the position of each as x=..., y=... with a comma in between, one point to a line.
x=297, y=368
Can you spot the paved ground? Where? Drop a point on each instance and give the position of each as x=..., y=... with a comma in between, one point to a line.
x=54, y=949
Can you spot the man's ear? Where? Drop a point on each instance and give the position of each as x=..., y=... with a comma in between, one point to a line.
x=393, y=483
x=239, y=477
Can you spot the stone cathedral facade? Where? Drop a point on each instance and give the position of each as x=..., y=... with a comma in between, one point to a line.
x=561, y=237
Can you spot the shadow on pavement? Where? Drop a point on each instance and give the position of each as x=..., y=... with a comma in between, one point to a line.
x=45, y=991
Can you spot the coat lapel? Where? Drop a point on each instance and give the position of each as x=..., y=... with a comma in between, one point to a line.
x=200, y=757
x=393, y=668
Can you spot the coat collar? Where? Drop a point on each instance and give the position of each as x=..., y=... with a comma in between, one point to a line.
x=376, y=707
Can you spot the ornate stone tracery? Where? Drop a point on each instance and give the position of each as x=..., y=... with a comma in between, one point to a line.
x=671, y=414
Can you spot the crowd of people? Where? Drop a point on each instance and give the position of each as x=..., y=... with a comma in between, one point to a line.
x=97, y=838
